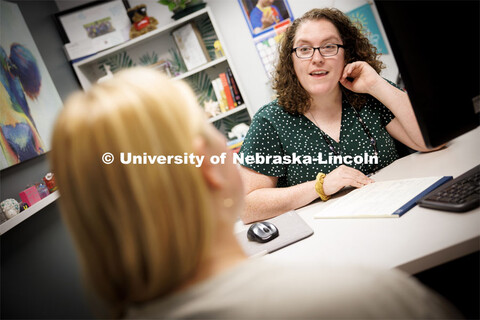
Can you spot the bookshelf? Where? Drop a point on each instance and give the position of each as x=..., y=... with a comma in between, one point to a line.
x=159, y=45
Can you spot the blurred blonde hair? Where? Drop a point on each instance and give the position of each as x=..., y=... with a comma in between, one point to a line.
x=141, y=230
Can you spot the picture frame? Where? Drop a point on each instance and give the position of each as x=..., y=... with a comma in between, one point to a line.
x=68, y=21
x=252, y=15
x=93, y=27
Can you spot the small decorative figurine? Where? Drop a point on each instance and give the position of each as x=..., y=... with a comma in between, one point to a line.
x=49, y=180
x=10, y=208
x=218, y=49
x=23, y=206
x=141, y=23
x=211, y=108
x=239, y=131
x=108, y=75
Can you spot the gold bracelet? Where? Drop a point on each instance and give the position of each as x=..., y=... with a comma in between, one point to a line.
x=319, y=187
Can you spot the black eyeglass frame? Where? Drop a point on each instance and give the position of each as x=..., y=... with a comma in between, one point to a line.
x=318, y=48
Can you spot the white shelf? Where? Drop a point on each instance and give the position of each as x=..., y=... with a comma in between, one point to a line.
x=228, y=113
x=27, y=213
x=141, y=38
x=201, y=68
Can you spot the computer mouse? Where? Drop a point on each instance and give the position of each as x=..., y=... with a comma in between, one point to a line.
x=262, y=232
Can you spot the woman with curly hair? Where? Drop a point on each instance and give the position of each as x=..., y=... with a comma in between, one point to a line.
x=333, y=107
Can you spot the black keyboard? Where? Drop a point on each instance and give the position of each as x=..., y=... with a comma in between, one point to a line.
x=459, y=195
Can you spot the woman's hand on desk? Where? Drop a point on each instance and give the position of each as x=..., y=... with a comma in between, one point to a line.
x=344, y=176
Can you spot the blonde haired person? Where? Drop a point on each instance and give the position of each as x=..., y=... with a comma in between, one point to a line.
x=156, y=240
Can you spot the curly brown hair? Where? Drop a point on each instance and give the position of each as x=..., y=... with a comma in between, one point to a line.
x=290, y=93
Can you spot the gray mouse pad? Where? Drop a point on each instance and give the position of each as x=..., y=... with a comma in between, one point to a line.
x=291, y=228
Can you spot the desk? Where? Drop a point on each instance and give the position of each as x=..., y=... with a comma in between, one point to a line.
x=419, y=240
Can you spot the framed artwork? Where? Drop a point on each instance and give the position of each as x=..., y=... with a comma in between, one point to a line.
x=263, y=15
x=29, y=101
x=93, y=27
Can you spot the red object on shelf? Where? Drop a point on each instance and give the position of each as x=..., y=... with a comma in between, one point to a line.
x=30, y=196
x=142, y=23
x=226, y=88
x=49, y=180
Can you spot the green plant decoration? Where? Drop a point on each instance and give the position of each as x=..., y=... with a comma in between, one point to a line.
x=226, y=124
x=148, y=59
x=178, y=67
x=174, y=5
x=116, y=62
x=208, y=35
x=202, y=86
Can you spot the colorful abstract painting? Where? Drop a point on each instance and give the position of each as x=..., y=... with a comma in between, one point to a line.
x=29, y=102
x=364, y=17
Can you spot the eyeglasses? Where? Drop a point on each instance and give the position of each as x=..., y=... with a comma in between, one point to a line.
x=328, y=50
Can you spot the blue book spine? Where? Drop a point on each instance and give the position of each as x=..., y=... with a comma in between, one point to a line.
x=410, y=204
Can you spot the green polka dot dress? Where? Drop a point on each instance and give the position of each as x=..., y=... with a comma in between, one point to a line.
x=275, y=132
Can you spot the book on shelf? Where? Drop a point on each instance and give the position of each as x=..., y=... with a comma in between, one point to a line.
x=226, y=88
x=237, y=149
x=220, y=94
x=236, y=93
x=235, y=144
x=226, y=91
x=191, y=46
x=229, y=81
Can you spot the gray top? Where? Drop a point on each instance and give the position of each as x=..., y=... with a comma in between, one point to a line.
x=258, y=289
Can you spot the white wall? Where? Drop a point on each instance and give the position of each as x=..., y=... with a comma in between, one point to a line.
x=239, y=43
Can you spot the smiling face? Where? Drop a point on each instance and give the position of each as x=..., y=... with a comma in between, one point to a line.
x=318, y=75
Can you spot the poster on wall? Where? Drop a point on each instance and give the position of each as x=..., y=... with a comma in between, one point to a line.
x=363, y=16
x=267, y=20
x=29, y=101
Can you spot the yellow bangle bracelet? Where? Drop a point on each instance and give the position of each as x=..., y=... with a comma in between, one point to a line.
x=319, y=187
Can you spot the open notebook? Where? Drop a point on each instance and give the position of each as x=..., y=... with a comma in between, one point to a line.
x=383, y=199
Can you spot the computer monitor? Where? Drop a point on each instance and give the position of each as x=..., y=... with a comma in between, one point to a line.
x=436, y=47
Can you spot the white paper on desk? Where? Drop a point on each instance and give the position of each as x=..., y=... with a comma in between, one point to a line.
x=377, y=200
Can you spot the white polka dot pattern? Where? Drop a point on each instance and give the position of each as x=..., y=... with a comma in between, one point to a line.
x=274, y=131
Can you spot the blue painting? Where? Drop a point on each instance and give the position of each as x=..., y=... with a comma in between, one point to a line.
x=364, y=17
x=29, y=102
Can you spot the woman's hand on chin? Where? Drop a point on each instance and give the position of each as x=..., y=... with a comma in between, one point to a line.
x=360, y=77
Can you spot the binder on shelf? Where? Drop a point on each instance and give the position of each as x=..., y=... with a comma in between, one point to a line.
x=226, y=88
x=383, y=199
